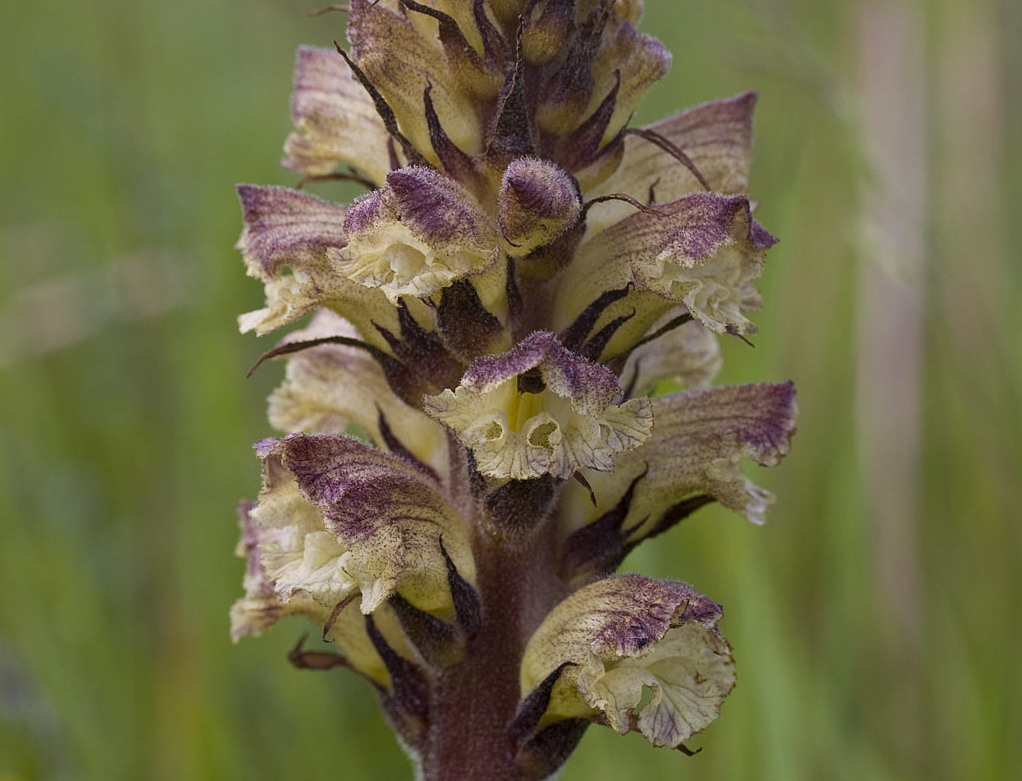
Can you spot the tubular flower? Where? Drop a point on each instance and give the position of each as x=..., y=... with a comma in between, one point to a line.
x=472, y=436
x=597, y=650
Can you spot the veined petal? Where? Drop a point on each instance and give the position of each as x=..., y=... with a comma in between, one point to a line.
x=288, y=231
x=702, y=251
x=376, y=34
x=541, y=409
x=700, y=441
x=689, y=355
x=261, y=608
x=394, y=521
x=297, y=552
x=621, y=636
x=295, y=566
x=417, y=235
x=335, y=119
x=716, y=137
x=330, y=386
x=286, y=228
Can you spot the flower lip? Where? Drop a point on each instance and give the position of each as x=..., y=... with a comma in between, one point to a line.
x=616, y=638
x=419, y=233
x=541, y=409
x=396, y=523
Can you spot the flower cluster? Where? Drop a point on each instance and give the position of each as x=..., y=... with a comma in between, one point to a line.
x=473, y=442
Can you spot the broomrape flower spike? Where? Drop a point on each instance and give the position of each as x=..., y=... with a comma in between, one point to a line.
x=471, y=442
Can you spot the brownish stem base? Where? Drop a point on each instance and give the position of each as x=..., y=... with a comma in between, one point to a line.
x=473, y=703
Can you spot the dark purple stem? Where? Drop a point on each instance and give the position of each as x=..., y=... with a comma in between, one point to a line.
x=474, y=702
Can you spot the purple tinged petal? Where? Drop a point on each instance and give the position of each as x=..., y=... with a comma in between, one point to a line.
x=538, y=201
x=401, y=62
x=434, y=206
x=701, y=251
x=395, y=521
x=694, y=228
x=284, y=227
x=716, y=137
x=288, y=231
x=700, y=440
x=417, y=235
x=335, y=118
x=616, y=638
x=540, y=409
x=642, y=59
x=561, y=368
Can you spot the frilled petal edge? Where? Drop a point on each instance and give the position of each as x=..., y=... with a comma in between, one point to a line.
x=619, y=638
x=541, y=409
x=393, y=519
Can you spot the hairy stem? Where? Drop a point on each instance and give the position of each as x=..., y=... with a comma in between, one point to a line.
x=474, y=702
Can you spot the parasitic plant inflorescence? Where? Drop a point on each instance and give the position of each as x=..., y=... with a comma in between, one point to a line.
x=474, y=441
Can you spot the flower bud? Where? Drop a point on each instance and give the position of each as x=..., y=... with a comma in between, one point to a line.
x=538, y=202
x=547, y=31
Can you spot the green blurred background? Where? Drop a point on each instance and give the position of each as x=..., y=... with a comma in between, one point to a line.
x=876, y=618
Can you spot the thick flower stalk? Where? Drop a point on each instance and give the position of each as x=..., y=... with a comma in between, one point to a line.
x=473, y=436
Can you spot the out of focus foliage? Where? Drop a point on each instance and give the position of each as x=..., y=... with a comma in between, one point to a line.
x=876, y=618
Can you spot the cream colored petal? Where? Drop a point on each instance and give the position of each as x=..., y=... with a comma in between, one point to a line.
x=624, y=635
x=698, y=446
x=261, y=607
x=640, y=59
x=689, y=673
x=716, y=137
x=330, y=387
x=376, y=33
x=571, y=423
x=688, y=355
x=296, y=553
x=286, y=243
x=711, y=291
x=417, y=235
x=393, y=519
x=335, y=119
x=702, y=251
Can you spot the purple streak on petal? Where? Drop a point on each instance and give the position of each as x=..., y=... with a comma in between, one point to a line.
x=265, y=447
x=282, y=226
x=360, y=487
x=365, y=212
x=432, y=205
x=577, y=376
x=540, y=187
x=658, y=605
x=760, y=237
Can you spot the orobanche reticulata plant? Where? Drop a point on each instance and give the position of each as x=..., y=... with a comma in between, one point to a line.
x=473, y=441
